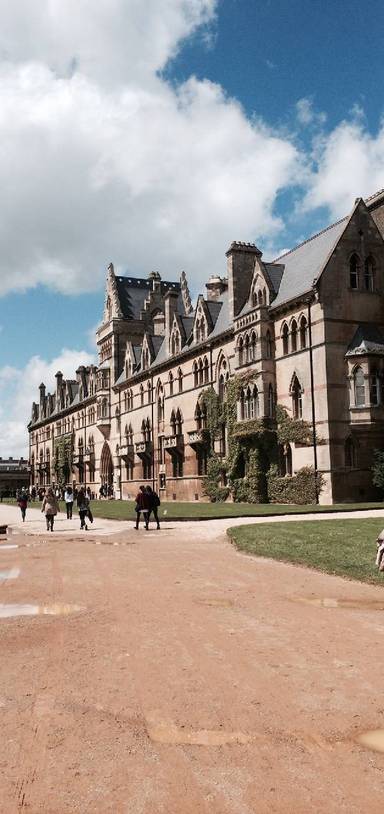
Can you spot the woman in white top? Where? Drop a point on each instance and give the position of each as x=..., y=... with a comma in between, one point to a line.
x=68, y=499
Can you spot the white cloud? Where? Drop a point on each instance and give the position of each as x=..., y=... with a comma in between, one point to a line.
x=307, y=115
x=19, y=388
x=113, y=163
x=349, y=163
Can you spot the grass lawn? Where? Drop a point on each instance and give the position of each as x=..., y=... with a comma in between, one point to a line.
x=124, y=509
x=343, y=547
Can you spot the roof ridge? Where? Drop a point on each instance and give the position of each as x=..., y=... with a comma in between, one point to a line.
x=308, y=240
x=375, y=194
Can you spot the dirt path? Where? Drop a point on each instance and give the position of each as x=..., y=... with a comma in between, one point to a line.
x=165, y=673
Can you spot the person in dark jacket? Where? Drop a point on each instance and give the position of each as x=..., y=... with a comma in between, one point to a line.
x=142, y=505
x=23, y=503
x=83, y=508
x=154, y=503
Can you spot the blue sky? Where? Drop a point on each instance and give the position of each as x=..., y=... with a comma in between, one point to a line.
x=153, y=137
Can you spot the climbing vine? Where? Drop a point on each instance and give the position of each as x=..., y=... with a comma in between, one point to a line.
x=249, y=471
x=63, y=458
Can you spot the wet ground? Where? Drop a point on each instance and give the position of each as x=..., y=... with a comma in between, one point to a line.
x=166, y=673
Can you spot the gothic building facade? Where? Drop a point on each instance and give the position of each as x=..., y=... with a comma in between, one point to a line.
x=309, y=325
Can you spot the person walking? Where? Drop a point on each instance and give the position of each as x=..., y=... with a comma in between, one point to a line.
x=68, y=499
x=154, y=503
x=22, y=502
x=142, y=506
x=50, y=508
x=83, y=508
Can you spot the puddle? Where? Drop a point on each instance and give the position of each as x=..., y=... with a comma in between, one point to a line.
x=10, y=611
x=328, y=602
x=216, y=603
x=168, y=733
x=7, y=547
x=13, y=573
x=372, y=740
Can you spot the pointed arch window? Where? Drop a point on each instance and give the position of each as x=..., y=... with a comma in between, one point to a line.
x=369, y=268
x=268, y=343
x=293, y=336
x=201, y=372
x=246, y=347
x=354, y=271
x=303, y=333
x=350, y=453
x=206, y=370
x=285, y=335
x=173, y=422
x=359, y=387
x=170, y=381
x=179, y=422
x=149, y=393
x=253, y=346
x=297, y=398
x=374, y=388
x=180, y=379
x=195, y=374
x=241, y=351
x=141, y=395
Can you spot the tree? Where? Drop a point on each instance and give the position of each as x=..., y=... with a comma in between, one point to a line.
x=378, y=469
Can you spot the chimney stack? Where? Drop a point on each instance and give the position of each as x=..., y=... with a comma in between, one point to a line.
x=241, y=258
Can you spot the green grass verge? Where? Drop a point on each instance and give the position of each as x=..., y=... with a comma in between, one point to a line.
x=124, y=509
x=343, y=547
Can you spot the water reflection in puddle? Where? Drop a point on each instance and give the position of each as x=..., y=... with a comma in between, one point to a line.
x=7, y=547
x=9, y=611
x=329, y=602
x=372, y=740
x=13, y=573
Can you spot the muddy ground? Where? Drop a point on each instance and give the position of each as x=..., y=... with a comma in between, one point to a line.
x=169, y=674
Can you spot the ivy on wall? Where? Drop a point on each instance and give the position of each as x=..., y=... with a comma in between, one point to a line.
x=249, y=471
x=63, y=458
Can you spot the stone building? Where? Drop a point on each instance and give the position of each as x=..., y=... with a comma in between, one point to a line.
x=309, y=325
x=14, y=475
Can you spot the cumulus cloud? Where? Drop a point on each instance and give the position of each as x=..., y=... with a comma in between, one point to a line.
x=102, y=159
x=349, y=163
x=306, y=113
x=19, y=388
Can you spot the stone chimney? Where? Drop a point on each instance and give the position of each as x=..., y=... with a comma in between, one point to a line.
x=215, y=287
x=170, y=303
x=240, y=266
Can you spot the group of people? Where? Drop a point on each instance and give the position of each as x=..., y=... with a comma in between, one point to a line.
x=147, y=503
x=50, y=505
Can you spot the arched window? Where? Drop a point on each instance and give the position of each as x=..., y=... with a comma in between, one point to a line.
x=303, y=332
x=285, y=334
x=350, y=453
x=241, y=351
x=195, y=374
x=359, y=387
x=260, y=297
x=179, y=422
x=201, y=372
x=354, y=271
x=268, y=345
x=246, y=346
x=253, y=346
x=249, y=403
x=141, y=395
x=369, y=268
x=149, y=392
x=180, y=379
x=173, y=422
x=297, y=398
x=198, y=416
x=221, y=387
x=254, y=297
x=294, y=336
x=206, y=370
x=374, y=388
x=170, y=380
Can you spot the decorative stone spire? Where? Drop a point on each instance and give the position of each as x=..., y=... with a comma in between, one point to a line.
x=188, y=307
x=112, y=307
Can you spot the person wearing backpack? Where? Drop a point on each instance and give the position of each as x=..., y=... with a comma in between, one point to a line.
x=154, y=503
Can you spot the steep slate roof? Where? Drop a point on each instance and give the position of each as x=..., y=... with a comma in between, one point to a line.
x=133, y=292
x=303, y=264
x=367, y=339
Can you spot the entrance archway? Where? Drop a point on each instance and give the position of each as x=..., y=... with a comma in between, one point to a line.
x=106, y=466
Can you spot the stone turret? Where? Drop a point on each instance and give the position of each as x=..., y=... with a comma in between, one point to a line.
x=241, y=259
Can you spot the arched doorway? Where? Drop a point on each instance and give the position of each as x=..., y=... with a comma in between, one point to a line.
x=106, y=466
